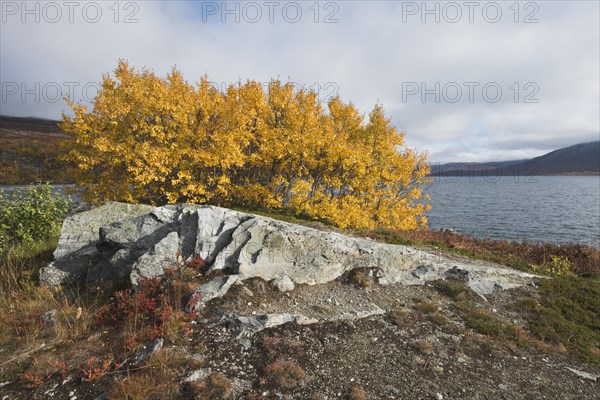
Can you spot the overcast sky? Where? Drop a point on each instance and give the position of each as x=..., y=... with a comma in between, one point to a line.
x=466, y=81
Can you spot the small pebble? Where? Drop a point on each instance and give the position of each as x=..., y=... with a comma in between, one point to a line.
x=392, y=390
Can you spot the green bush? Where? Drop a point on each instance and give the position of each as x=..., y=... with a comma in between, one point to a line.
x=32, y=216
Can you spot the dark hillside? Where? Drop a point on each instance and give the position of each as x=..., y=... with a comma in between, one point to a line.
x=583, y=158
x=579, y=159
x=30, y=150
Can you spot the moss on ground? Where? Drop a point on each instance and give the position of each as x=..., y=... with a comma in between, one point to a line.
x=566, y=311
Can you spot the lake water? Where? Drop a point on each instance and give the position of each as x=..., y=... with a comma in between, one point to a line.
x=8, y=190
x=556, y=209
x=543, y=208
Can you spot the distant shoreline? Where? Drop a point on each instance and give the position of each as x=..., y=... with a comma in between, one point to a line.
x=493, y=174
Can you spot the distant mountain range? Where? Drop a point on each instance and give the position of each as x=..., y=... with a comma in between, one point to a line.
x=579, y=159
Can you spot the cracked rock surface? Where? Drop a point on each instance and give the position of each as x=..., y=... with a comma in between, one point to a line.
x=121, y=241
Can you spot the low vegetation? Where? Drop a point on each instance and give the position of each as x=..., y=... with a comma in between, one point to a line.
x=357, y=393
x=215, y=387
x=285, y=373
x=565, y=313
x=85, y=335
x=30, y=217
x=546, y=258
x=561, y=315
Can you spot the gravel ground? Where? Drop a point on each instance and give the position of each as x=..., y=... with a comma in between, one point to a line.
x=415, y=345
x=424, y=354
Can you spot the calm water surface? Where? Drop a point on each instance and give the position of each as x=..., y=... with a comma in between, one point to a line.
x=548, y=208
x=9, y=190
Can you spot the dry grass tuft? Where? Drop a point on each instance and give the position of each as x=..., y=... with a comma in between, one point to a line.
x=68, y=316
x=357, y=393
x=215, y=387
x=278, y=347
x=147, y=385
x=286, y=374
x=19, y=266
x=426, y=306
x=423, y=346
x=400, y=316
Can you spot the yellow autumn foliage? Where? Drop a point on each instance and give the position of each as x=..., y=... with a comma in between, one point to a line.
x=275, y=147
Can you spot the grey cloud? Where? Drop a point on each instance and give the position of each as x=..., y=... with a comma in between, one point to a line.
x=369, y=55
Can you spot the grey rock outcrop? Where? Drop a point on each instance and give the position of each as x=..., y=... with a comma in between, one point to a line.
x=102, y=243
x=116, y=241
x=213, y=289
x=121, y=241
